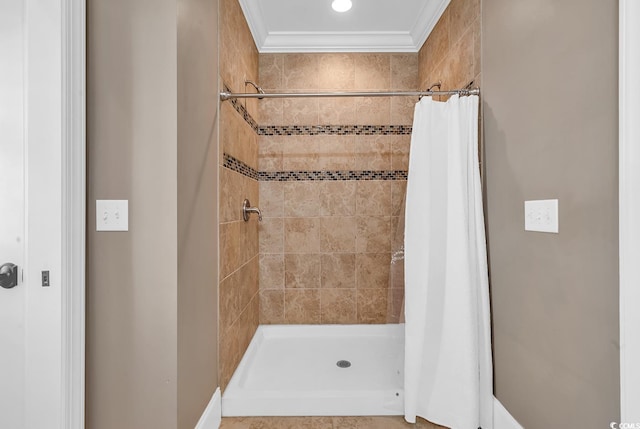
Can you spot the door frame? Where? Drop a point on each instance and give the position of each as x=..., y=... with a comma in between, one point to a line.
x=73, y=212
x=629, y=194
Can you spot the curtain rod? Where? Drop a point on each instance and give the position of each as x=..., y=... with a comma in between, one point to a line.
x=229, y=95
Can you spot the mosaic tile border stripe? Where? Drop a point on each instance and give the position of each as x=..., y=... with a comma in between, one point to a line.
x=240, y=167
x=340, y=130
x=235, y=102
x=291, y=176
x=314, y=130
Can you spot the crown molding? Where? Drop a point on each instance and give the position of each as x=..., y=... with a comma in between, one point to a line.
x=277, y=42
x=427, y=20
x=343, y=41
x=254, y=16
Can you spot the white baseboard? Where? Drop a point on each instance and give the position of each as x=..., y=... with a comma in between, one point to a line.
x=501, y=417
x=212, y=416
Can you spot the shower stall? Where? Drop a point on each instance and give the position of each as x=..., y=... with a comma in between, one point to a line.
x=311, y=299
x=328, y=341
x=327, y=369
x=324, y=347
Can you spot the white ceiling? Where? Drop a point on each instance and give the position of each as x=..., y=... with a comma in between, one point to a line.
x=370, y=25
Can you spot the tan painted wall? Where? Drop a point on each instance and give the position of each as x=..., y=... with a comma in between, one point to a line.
x=197, y=207
x=131, y=276
x=151, y=304
x=550, y=118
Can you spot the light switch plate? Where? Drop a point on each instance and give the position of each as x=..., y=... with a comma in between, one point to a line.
x=541, y=216
x=112, y=215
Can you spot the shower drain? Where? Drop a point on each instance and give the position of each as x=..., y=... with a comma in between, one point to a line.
x=343, y=364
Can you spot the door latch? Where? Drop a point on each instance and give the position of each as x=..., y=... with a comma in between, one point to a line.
x=8, y=275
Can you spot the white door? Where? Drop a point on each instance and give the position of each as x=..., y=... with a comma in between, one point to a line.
x=30, y=213
x=12, y=215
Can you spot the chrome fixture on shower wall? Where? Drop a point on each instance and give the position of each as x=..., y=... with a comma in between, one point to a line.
x=247, y=210
x=224, y=95
x=256, y=86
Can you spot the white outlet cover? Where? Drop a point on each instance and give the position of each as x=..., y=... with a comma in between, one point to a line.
x=541, y=216
x=112, y=215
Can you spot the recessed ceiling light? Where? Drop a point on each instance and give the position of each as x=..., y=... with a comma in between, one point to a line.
x=341, y=5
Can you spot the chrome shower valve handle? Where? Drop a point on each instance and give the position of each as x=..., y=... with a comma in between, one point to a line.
x=247, y=210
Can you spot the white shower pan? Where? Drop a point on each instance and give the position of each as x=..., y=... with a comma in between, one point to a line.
x=294, y=370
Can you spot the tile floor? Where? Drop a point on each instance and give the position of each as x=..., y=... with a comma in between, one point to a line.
x=385, y=422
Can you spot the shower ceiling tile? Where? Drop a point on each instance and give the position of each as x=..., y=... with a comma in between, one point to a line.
x=312, y=26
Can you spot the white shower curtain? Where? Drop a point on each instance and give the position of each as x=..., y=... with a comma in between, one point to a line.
x=448, y=373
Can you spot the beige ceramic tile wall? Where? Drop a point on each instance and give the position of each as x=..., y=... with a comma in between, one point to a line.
x=324, y=245
x=238, y=52
x=238, y=293
x=451, y=54
x=337, y=72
